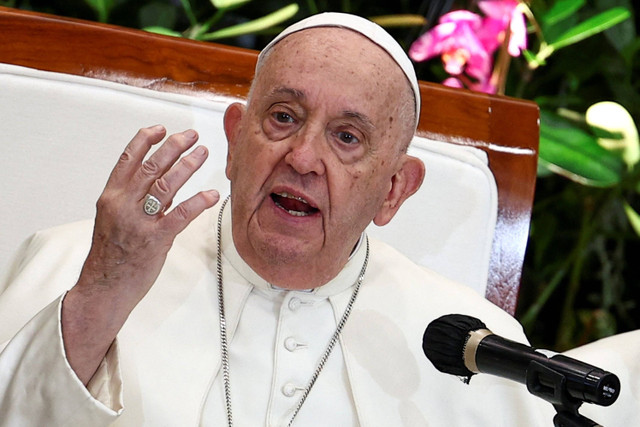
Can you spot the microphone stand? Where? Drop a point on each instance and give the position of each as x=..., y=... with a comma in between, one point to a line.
x=550, y=385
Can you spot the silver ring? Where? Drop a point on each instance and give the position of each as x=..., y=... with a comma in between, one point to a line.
x=151, y=205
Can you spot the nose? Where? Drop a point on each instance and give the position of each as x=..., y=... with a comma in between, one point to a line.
x=306, y=153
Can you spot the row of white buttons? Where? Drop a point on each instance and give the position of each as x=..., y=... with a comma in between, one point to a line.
x=291, y=344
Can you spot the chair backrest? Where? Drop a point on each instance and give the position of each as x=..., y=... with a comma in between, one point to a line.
x=73, y=93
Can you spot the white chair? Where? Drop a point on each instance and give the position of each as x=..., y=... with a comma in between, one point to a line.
x=74, y=93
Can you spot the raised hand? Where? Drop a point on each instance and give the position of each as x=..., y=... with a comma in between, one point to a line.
x=130, y=241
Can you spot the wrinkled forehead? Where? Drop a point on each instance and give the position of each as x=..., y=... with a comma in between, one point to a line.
x=364, y=27
x=337, y=49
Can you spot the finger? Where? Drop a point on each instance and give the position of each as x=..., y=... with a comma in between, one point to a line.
x=178, y=219
x=134, y=153
x=166, y=187
x=160, y=161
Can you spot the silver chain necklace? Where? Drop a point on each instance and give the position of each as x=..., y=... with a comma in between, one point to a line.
x=224, y=348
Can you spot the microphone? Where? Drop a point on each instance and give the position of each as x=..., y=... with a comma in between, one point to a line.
x=462, y=345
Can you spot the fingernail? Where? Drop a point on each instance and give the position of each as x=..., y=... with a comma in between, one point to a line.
x=191, y=134
x=157, y=128
x=200, y=151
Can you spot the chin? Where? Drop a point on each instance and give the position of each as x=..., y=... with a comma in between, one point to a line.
x=285, y=250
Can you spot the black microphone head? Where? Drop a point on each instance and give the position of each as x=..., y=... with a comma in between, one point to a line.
x=444, y=340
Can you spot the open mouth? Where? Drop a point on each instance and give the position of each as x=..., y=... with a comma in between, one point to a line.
x=294, y=205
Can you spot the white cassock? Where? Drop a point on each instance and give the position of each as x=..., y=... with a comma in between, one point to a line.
x=165, y=370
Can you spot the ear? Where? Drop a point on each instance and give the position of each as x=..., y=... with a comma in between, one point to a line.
x=404, y=183
x=232, y=120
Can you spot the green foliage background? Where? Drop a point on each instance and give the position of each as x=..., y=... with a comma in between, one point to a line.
x=580, y=280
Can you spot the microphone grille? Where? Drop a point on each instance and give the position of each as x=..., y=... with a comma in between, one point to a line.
x=444, y=340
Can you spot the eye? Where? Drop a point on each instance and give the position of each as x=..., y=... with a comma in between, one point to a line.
x=348, y=141
x=280, y=121
x=348, y=138
x=283, y=117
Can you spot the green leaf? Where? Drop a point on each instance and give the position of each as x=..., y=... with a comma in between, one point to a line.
x=228, y=4
x=157, y=14
x=561, y=10
x=590, y=27
x=571, y=152
x=102, y=8
x=633, y=216
x=542, y=170
x=186, y=5
x=162, y=30
x=406, y=20
x=254, y=26
x=533, y=61
x=622, y=34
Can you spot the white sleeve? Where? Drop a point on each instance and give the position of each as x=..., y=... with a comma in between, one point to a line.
x=38, y=386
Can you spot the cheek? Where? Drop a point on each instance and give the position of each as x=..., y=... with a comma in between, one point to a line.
x=356, y=180
x=379, y=183
x=253, y=151
x=365, y=186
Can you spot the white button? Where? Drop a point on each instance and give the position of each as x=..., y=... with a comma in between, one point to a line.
x=294, y=303
x=290, y=344
x=289, y=389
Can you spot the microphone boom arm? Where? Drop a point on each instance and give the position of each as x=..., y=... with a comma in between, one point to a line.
x=551, y=385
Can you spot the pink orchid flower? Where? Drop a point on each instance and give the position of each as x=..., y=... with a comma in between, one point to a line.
x=455, y=40
x=500, y=15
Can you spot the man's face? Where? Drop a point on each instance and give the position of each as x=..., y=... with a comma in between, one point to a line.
x=313, y=158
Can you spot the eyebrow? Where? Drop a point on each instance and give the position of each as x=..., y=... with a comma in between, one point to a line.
x=287, y=91
x=363, y=119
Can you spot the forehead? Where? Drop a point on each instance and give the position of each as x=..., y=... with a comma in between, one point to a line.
x=333, y=39
x=339, y=59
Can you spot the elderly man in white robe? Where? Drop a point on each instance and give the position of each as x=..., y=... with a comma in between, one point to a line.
x=273, y=308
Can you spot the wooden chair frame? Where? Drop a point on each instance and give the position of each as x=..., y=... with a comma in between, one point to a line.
x=506, y=129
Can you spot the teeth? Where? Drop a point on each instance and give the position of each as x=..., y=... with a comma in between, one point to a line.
x=291, y=196
x=292, y=212
x=297, y=213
